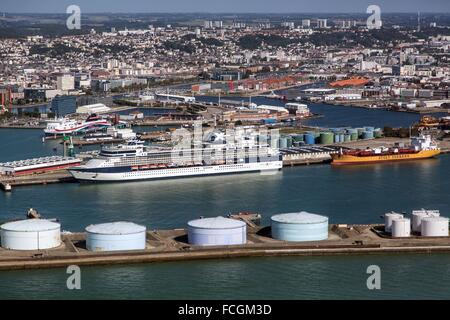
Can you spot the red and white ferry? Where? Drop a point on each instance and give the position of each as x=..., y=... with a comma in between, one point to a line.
x=66, y=126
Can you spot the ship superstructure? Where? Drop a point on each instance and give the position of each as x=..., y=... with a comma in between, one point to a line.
x=66, y=126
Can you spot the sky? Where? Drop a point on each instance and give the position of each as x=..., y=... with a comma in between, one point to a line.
x=217, y=6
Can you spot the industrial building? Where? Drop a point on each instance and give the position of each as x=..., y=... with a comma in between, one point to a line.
x=96, y=108
x=64, y=105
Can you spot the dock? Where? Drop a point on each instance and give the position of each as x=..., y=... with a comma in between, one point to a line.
x=35, y=179
x=172, y=245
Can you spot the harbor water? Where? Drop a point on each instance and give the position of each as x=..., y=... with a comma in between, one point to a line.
x=346, y=195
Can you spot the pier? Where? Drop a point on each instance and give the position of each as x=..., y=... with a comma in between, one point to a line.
x=172, y=245
x=35, y=179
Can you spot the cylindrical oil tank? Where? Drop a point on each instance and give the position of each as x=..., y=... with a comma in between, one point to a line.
x=217, y=231
x=388, y=217
x=337, y=138
x=31, y=234
x=418, y=215
x=115, y=236
x=326, y=138
x=299, y=226
x=401, y=228
x=354, y=136
x=309, y=139
x=367, y=135
x=347, y=138
x=369, y=128
x=434, y=227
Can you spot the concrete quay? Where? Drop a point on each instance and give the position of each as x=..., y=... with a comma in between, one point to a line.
x=172, y=245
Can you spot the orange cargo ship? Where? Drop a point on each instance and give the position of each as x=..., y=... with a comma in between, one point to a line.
x=422, y=147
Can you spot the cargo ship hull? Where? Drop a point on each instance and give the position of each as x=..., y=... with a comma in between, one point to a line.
x=346, y=159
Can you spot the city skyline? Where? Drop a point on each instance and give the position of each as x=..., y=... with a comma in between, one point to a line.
x=232, y=6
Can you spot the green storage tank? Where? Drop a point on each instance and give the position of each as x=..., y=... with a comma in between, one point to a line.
x=326, y=138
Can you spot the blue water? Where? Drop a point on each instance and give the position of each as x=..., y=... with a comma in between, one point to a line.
x=402, y=277
x=349, y=194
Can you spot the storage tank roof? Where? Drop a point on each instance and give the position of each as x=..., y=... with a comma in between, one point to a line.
x=299, y=218
x=393, y=214
x=435, y=219
x=216, y=223
x=120, y=227
x=30, y=225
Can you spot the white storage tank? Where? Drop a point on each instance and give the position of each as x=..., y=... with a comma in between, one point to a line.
x=217, y=231
x=31, y=234
x=434, y=227
x=115, y=236
x=388, y=217
x=401, y=228
x=418, y=215
x=299, y=226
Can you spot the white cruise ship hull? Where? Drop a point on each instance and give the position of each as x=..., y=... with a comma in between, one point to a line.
x=167, y=173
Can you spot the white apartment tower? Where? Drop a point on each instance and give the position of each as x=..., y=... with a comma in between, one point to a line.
x=65, y=82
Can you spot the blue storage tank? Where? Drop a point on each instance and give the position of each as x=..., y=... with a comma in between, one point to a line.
x=309, y=138
x=369, y=128
x=299, y=226
x=337, y=138
x=217, y=231
x=115, y=236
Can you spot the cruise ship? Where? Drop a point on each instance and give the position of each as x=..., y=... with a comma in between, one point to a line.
x=66, y=126
x=134, y=161
x=422, y=147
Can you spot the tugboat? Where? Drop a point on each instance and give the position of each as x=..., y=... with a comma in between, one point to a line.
x=422, y=147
